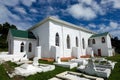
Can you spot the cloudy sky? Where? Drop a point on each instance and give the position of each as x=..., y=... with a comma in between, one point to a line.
x=97, y=15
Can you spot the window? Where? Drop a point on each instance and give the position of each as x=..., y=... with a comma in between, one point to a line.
x=68, y=42
x=22, y=47
x=57, y=39
x=93, y=41
x=76, y=41
x=83, y=43
x=88, y=42
x=103, y=40
x=37, y=40
x=30, y=47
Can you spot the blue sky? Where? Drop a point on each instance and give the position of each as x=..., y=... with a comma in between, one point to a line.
x=97, y=15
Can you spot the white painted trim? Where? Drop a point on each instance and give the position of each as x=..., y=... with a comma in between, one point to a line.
x=23, y=38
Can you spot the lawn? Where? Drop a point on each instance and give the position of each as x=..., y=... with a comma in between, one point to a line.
x=115, y=75
x=50, y=74
x=9, y=66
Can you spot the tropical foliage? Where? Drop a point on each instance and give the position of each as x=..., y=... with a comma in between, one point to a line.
x=116, y=44
x=4, y=28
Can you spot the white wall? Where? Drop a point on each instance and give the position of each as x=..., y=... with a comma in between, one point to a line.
x=42, y=32
x=109, y=41
x=63, y=31
x=53, y=29
x=10, y=43
x=110, y=50
x=73, y=33
x=17, y=44
x=86, y=36
x=99, y=45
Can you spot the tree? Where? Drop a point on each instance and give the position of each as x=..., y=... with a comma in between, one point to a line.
x=4, y=28
x=116, y=44
x=13, y=27
x=116, y=38
x=1, y=28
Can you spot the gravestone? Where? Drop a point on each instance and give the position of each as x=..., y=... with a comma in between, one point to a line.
x=58, y=60
x=35, y=61
x=92, y=54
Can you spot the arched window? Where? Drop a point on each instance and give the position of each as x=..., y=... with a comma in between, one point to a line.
x=30, y=47
x=76, y=41
x=57, y=39
x=93, y=41
x=88, y=42
x=103, y=40
x=83, y=43
x=37, y=40
x=22, y=47
x=68, y=42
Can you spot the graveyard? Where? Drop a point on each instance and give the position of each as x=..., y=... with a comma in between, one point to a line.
x=49, y=70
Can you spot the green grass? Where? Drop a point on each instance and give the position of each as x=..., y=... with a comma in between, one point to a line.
x=49, y=74
x=9, y=66
x=114, y=58
x=3, y=74
x=115, y=75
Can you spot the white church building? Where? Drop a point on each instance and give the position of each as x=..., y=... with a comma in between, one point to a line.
x=53, y=38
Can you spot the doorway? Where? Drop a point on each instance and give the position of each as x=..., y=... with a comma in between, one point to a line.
x=99, y=52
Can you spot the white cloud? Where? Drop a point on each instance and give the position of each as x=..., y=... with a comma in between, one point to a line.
x=92, y=25
x=48, y=11
x=15, y=2
x=23, y=25
x=116, y=33
x=113, y=28
x=28, y=2
x=50, y=2
x=88, y=2
x=7, y=15
x=97, y=8
x=93, y=5
x=55, y=16
x=33, y=10
x=108, y=28
x=20, y=9
x=115, y=3
x=4, y=13
x=79, y=11
x=86, y=9
x=15, y=17
x=113, y=24
x=9, y=2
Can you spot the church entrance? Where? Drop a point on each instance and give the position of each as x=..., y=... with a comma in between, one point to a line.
x=99, y=52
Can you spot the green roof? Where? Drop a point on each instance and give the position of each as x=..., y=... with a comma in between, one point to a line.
x=22, y=34
x=98, y=35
